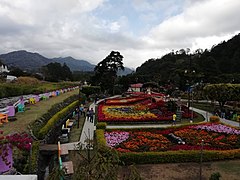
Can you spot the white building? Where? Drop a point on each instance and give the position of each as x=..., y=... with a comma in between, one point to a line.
x=3, y=68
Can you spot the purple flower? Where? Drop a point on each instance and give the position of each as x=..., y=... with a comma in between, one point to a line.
x=116, y=137
x=219, y=128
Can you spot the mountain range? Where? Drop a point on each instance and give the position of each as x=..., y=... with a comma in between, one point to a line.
x=30, y=61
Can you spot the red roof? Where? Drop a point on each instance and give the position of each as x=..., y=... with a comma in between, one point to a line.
x=139, y=85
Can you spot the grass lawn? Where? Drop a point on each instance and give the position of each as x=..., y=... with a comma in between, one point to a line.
x=32, y=113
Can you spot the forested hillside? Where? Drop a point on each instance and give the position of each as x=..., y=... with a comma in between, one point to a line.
x=220, y=64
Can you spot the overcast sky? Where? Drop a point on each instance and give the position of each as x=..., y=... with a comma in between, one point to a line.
x=138, y=29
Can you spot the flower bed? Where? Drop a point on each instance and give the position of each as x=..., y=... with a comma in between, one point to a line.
x=141, y=111
x=215, y=136
x=122, y=101
x=137, y=109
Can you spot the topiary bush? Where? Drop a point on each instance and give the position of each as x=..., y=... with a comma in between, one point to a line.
x=101, y=125
x=214, y=119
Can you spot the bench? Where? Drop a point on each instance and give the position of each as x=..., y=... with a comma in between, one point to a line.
x=68, y=166
x=3, y=118
x=64, y=150
x=32, y=100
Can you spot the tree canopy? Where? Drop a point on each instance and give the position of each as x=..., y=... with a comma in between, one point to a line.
x=56, y=72
x=106, y=71
x=222, y=93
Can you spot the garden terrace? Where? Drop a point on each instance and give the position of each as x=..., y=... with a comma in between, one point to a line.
x=175, y=144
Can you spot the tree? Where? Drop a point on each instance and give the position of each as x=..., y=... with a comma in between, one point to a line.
x=66, y=72
x=106, y=71
x=55, y=72
x=222, y=93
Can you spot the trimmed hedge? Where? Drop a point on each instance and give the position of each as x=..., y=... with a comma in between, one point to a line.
x=34, y=156
x=101, y=141
x=52, y=121
x=214, y=119
x=101, y=125
x=177, y=156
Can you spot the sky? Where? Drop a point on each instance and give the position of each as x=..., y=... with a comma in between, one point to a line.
x=138, y=29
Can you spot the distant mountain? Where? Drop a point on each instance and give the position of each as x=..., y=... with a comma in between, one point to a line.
x=33, y=62
x=24, y=60
x=74, y=64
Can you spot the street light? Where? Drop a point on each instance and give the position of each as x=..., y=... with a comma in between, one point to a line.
x=189, y=73
x=79, y=95
x=201, y=155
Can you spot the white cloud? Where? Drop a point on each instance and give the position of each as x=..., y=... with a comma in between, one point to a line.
x=73, y=28
x=201, y=20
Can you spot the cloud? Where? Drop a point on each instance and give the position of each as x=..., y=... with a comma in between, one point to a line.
x=139, y=29
x=198, y=20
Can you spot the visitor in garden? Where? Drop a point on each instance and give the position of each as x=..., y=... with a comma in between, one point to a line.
x=174, y=119
x=81, y=109
x=91, y=113
x=85, y=111
x=88, y=114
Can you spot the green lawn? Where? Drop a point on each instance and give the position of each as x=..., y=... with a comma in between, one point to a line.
x=33, y=112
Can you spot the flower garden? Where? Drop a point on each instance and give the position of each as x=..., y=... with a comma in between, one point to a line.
x=136, y=109
x=173, y=144
x=215, y=137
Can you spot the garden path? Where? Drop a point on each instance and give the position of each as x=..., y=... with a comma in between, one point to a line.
x=87, y=132
x=205, y=114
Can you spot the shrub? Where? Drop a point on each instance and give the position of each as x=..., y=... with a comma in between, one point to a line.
x=101, y=141
x=101, y=125
x=215, y=176
x=214, y=119
x=27, y=80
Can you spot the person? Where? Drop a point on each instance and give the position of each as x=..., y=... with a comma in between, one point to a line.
x=91, y=113
x=84, y=111
x=88, y=114
x=81, y=109
x=174, y=119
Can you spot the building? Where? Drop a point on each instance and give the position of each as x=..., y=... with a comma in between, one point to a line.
x=135, y=87
x=3, y=68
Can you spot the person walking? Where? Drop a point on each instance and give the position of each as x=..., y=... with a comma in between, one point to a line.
x=174, y=119
x=88, y=114
x=91, y=113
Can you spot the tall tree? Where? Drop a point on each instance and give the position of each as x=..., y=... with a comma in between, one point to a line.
x=55, y=72
x=106, y=71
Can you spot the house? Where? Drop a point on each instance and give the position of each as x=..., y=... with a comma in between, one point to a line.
x=135, y=87
x=3, y=68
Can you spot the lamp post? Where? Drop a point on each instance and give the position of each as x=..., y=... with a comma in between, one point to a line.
x=78, y=111
x=189, y=73
x=201, y=155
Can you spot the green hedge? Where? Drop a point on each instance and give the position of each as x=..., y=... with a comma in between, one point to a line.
x=177, y=156
x=34, y=156
x=101, y=125
x=101, y=141
x=52, y=121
